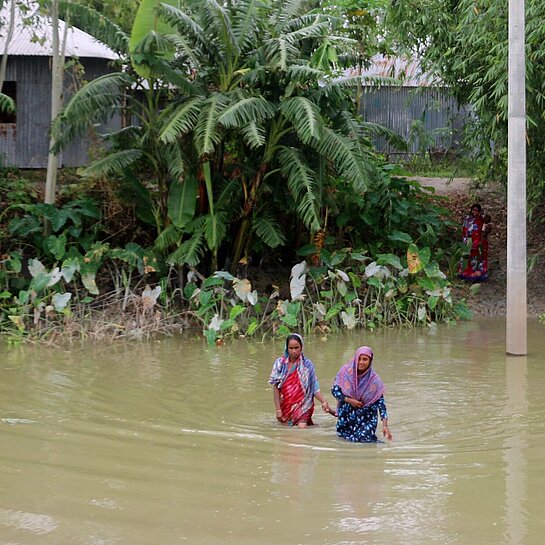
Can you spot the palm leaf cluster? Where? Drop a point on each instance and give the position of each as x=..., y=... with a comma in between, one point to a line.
x=228, y=98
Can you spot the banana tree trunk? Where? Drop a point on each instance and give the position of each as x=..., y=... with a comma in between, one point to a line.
x=243, y=237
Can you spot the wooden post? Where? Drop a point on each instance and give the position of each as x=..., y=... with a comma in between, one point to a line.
x=516, y=334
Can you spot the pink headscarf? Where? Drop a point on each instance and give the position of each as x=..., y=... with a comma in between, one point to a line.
x=366, y=388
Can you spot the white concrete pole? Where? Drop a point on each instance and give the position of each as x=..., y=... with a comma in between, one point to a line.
x=516, y=334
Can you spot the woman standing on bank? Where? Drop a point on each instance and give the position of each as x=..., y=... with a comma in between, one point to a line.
x=360, y=392
x=475, y=234
x=295, y=385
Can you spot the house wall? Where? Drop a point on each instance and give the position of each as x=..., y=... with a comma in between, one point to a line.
x=401, y=108
x=25, y=143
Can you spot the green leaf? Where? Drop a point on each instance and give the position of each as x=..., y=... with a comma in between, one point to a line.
x=146, y=21
x=211, y=336
x=236, y=311
x=88, y=279
x=252, y=328
x=61, y=300
x=432, y=302
x=56, y=245
x=182, y=201
x=399, y=236
x=389, y=259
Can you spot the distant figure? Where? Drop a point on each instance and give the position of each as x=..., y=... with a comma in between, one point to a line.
x=360, y=392
x=295, y=385
x=475, y=231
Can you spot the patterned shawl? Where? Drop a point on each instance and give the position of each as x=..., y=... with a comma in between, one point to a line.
x=366, y=388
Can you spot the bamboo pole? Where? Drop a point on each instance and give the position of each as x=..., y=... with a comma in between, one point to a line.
x=516, y=333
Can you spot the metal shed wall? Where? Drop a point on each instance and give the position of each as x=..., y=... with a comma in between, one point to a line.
x=25, y=143
x=397, y=108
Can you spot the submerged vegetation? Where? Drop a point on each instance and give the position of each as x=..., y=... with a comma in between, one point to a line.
x=241, y=157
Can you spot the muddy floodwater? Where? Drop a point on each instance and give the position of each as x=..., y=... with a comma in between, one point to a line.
x=172, y=442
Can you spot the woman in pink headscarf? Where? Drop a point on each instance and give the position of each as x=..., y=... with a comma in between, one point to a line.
x=360, y=392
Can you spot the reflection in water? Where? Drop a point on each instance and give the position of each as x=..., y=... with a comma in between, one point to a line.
x=173, y=442
x=516, y=408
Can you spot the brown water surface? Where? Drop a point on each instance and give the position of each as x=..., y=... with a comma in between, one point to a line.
x=171, y=442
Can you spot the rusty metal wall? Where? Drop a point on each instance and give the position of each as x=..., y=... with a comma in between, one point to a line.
x=25, y=144
x=403, y=109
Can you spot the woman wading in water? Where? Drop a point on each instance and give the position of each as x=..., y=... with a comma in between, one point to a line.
x=295, y=385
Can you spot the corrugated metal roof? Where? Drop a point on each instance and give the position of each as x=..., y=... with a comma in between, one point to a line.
x=32, y=36
x=408, y=71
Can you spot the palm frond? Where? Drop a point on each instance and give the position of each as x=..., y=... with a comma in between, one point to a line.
x=285, y=12
x=303, y=74
x=189, y=252
x=182, y=20
x=279, y=53
x=215, y=228
x=318, y=29
x=172, y=156
x=168, y=237
x=97, y=25
x=302, y=184
x=353, y=82
x=392, y=137
x=218, y=21
x=305, y=117
x=114, y=162
x=94, y=102
x=207, y=131
x=246, y=110
x=346, y=156
x=180, y=119
x=254, y=135
x=267, y=229
x=246, y=24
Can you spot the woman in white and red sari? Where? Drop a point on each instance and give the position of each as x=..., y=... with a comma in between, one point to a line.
x=474, y=267
x=295, y=385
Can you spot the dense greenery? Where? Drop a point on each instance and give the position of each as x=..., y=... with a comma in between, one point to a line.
x=466, y=44
x=239, y=147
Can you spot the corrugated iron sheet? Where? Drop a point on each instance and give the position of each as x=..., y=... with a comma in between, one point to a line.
x=25, y=144
x=424, y=117
x=35, y=38
x=407, y=71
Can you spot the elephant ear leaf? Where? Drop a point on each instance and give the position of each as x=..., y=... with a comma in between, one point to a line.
x=147, y=37
x=417, y=258
x=182, y=199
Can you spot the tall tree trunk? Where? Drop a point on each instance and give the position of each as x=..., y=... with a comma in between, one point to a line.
x=9, y=35
x=58, y=50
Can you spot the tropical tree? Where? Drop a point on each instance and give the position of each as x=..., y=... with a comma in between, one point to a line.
x=240, y=125
x=466, y=45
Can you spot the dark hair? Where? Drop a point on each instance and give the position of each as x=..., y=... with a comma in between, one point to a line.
x=487, y=218
x=477, y=206
x=294, y=337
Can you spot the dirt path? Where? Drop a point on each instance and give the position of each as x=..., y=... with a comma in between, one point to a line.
x=490, y=298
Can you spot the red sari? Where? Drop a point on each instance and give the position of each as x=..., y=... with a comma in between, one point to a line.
x=297, y=385
x=475, y=267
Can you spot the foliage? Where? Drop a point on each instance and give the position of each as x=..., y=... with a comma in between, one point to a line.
x=466, y=45
x=243, y=109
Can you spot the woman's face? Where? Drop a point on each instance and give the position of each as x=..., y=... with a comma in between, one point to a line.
x=364, y=361
x=475, y=211
x=294, y=349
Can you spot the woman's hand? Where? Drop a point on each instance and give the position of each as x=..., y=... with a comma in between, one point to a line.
x=386, y=432
x=356, y=403
x=279, y=416
x=325, y=406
